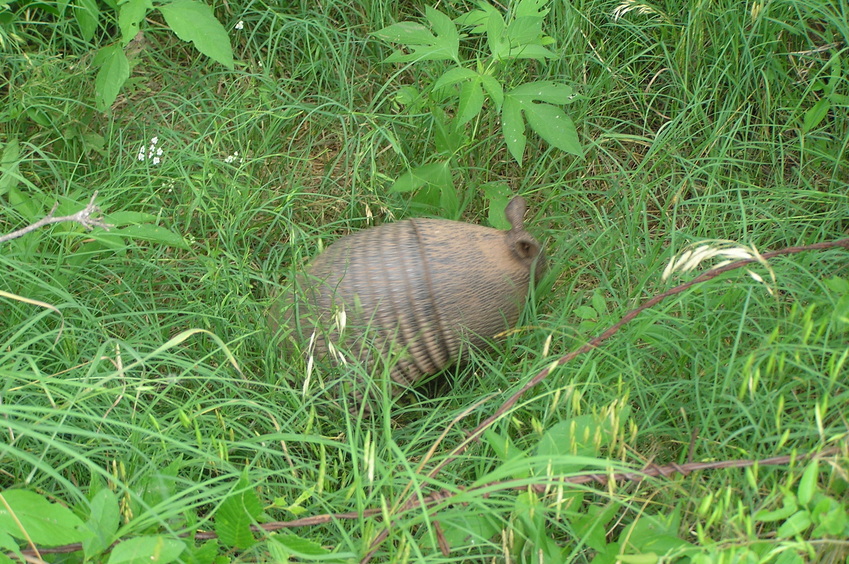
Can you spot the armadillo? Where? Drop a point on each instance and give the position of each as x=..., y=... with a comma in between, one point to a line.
x=417, y=292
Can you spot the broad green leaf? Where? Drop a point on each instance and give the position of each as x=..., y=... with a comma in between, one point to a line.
x=569, y=442
x=552, y=124
x=103, y=521
x=591, y=526
x=87, y=15
x=586, y=312
x=796, y=524
x=831, y=518
x=303, y=549
x=130, y=14
x=7, y=543
x=513, y=128
x=789, y=507
x=121, y=218
x=142, y=550
x=406, y=33
x=496, y=38
x=114, y=72
x=194, y=21
x=467, y=529
x=530, y=515
x=537, y=52
x=808, y=483
x=815, y=114
x=441, y=44
x=409, y=96
x=599, y=304
x=10, y=544
x=154, y=234
x=471, y=102
x=449, y=203
x=448, y=138
x=9, y=165
x=236, y=514
x=498, y=194
x=543, y=91
x=26, y=204
x=204, y=554
x=508, y=453
x=494, y=89
x=27, y=515
x=418, y=177
x=837, y=285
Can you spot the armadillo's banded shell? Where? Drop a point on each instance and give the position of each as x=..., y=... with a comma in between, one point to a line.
x=419, y=288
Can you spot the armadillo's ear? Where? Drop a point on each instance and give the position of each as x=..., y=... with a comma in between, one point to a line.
x=529, y=252
x=525, y=247
x=515, y=212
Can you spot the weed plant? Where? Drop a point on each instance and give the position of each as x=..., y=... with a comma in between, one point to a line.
x=143, y=400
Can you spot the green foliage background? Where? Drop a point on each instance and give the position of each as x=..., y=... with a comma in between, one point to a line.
x=143, y=399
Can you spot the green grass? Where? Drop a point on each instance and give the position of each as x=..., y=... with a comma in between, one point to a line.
x=699, y=123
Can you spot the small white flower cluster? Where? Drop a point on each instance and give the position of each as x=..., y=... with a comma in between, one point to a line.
x=152, y=152
x=240, y=25
x=230, y=159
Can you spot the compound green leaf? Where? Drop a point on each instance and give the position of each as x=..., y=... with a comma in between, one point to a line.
x=441, y=44
x=533, y=101
x=454, y=76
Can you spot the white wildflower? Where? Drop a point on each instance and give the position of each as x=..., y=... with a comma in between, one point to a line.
x=240, y=25
x=230, y=159
x=151, y=152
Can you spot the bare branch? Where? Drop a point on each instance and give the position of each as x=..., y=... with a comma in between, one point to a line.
x=89, y=217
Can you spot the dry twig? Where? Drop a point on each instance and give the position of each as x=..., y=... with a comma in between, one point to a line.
x=89, y=217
